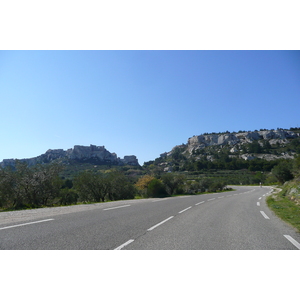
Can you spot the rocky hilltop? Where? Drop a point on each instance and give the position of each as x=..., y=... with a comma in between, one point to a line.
x=230, y=150
x=235, y=140
x=92, y=154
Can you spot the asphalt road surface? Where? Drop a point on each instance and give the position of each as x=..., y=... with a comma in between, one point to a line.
x=234, y=220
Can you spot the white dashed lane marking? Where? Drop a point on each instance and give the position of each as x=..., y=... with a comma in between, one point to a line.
x=24, y=224
x=151, y=228
x=185, y=210
x=294, y=242
x=123, y=245
x=265, y=216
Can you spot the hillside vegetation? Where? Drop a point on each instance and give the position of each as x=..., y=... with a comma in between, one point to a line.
x=286, y=203
x=254, y=151
x=207, y=163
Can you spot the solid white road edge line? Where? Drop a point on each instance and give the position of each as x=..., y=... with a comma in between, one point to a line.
x=123, y=245
x=151, y=228
x=24, y=224
x=265, y=216
x=294, y=242
x=200, y=202
x=185, y=209
x=116, y=207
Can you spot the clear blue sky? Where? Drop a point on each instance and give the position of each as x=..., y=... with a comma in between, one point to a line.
x=141, y=102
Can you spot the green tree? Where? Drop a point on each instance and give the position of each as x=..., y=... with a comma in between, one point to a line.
x=92, y=186
x=266, y=146
x=297, y=164
x=216, y=186
x=282, y=171
x=142, y=184
x=10, y=195
x=29, y=186
x=120, y=187
x=204, y=184
x=39, y=183
x=156, y=188
x=255, y=147
x=68, y=183
x=68, y=196
x=177, y=153
x=172, y=182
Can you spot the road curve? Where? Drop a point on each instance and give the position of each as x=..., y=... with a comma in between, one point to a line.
x=234, y=220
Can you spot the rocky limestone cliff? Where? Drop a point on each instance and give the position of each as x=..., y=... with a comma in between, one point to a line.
x=92, y=153
x=235, y=143
x=232, y=139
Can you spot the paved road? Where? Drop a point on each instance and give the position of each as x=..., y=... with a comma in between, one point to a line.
x=233, y=220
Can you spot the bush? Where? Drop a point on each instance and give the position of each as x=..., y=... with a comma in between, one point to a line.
x=282, y=171
x=68, y=196
x=120, y=187
x=91, y=186
x=216, y=186
x=143, y=183
x=173, y=183
x=156, y=189
x=98, y=186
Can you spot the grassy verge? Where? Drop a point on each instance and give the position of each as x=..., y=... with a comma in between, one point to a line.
x=285, y=209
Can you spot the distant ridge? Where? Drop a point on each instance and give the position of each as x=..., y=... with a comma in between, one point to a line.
x=229, y=150
x=89, y=154
x=280, y=136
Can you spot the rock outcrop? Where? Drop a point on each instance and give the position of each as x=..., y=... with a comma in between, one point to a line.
x=199, y=146
x=130, y=160
x=232, y=139
x=93, y=154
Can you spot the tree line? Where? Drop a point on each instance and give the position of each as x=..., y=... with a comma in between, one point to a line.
x=169, y=184
x=25, y=186
x=41, y=185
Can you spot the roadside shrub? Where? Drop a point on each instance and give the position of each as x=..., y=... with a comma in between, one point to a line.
x=156, y=189
x=282, y=171
x=68, y=196
x=216, y=186
x=25, y=186
x=173, y=183
x=143, y=183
